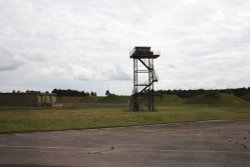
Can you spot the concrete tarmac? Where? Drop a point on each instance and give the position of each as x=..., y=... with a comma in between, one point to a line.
x=206, y=144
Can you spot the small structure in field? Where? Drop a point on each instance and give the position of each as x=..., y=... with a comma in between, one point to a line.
x=143, y=90
x=27, y=99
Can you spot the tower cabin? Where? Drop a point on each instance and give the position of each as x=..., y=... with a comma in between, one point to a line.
x=143, y=53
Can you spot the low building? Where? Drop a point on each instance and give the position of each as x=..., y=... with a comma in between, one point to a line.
x=27, y=99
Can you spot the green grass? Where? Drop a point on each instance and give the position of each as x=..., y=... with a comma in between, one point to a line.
x=217, y=99
x=93, y=99
x=164, y=100
x=23, y=120
x=246, y=97
x=214, y=99
x=168, y=100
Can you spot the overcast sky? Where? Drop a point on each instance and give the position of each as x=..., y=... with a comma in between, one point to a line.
x=84, y=44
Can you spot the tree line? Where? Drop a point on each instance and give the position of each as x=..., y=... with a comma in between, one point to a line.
x=72, y=93
x=61, y=92
x=181, y=93
x=190, y=93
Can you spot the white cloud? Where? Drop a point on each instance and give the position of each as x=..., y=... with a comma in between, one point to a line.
x=102, y=73
x=84, y=74
x=52, y=71
x=117, y=73
x=203, y=43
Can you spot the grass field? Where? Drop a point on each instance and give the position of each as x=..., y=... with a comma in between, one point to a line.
x=29, y=120
x=216, y=99
x=246, y=97
x=221, y=99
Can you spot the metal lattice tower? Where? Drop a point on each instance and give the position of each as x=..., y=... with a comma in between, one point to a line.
x=145, y=90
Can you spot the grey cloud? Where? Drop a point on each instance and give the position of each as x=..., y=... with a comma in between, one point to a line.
x=36, y=57
x=9, y=61
x=9, y=66
x=171, y=66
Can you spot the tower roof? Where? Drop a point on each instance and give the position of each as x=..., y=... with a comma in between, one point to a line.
x=143, y=52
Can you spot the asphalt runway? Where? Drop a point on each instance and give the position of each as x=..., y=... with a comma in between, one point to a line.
x=203, y=144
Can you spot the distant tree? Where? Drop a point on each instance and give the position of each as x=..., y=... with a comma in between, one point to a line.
x=107, y=93
x=70, y=93
x=93, y=94
x=13, y=91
